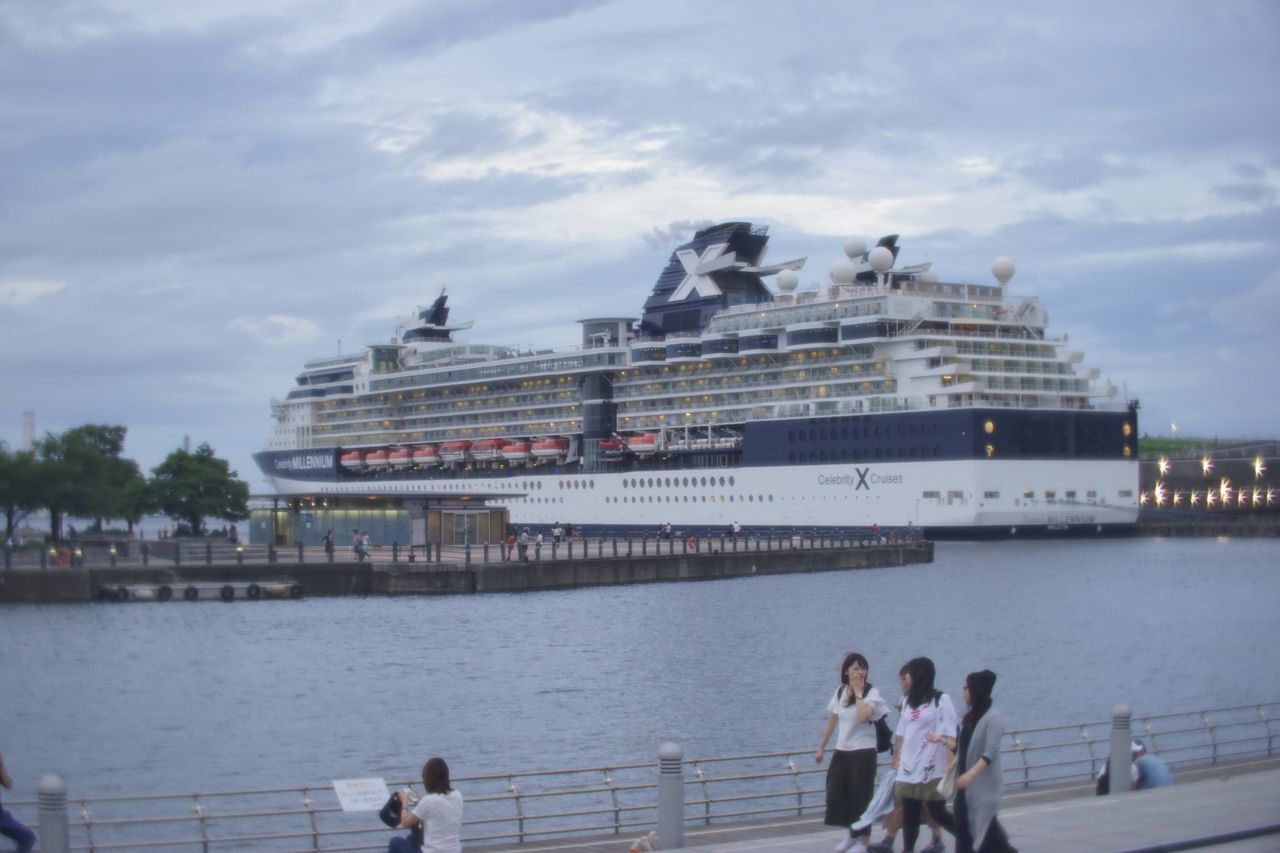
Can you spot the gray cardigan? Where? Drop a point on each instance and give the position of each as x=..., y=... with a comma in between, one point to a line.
x=982, y=797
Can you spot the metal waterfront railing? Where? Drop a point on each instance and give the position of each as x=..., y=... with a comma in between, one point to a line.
x=620, y=799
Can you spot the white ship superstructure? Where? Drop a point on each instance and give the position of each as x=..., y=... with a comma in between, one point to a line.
x=887, y=397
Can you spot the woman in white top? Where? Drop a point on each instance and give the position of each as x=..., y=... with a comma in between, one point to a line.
x=851, y=778
x=439, y=812
x=926, y=730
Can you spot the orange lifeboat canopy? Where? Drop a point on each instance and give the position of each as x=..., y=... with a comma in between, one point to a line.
x=351, y=459
x=400, y=458
x=376, y=459
x=643, y=444
x=549, y=448
x=516, y=451
x=486, y=448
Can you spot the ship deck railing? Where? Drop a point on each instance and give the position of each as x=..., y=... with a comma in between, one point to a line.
x=561, y=808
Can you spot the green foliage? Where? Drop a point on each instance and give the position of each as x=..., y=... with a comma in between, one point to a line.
x=190, y=486
x=17, y=483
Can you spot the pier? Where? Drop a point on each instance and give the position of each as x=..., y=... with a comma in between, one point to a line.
x=440, y=570
x=1226, y=763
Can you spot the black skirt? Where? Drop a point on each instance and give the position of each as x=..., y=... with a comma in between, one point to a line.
x=851, y=780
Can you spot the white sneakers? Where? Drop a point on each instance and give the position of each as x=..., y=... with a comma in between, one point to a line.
x=850, y=845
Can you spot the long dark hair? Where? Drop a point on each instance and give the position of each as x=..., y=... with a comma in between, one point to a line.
x=849, y=660
x=435, y=776
x=979, y=684
x=922, y=673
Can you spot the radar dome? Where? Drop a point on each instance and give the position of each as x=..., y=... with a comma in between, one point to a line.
x=928, y=277
x=881, y=259
x=1002, y=269
x=855, y=247
x=788, y=280
x=843, y=271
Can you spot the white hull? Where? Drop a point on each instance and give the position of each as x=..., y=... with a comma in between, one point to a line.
x=933, y=494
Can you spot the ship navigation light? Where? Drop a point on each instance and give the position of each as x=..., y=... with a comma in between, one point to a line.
x=1163, y=465
x=1259, y=467
x=1206, y=465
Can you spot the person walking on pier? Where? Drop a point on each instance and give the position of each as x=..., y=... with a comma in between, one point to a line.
x=439, y=812
x=979, y=780
x=10, y=826
x=926, y=730
x=851, y=777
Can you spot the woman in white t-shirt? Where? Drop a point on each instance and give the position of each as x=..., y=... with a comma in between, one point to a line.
x=926, y=730
x=439, y=812
x=851, y=778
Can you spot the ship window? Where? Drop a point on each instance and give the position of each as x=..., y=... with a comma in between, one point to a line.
x=1051, y=496
x=651, y=482
x=931, y=495
x=791, y=435
x=791, y=457
x=1071, y=496
x=730, y=481
x=684, y=481
x=812, y=434
x=1126, y=493
x=770, y=498
x=704, y=481
x=991, y=495
x=1028, y=495
x=591, y=483
x=751, y=499
x=1091, y=494
x=722, y=481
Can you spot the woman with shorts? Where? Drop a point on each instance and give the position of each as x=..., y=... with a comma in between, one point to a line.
x=926, y=730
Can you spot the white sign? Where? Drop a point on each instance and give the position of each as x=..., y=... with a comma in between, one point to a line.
x=361, y=795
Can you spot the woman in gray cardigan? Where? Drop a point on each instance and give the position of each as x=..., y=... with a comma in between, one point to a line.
x=979, y=781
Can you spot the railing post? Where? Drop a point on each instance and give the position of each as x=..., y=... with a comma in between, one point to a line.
x=485, y=548
x=300, y=552
x=271, y=553
x=1121, y=756
x=615, y=546
x=395, y=552
x=55, y=836
x=670, y=796
x=466, y=553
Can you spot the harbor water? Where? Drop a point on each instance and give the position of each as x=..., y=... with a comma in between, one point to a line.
x=147, y=698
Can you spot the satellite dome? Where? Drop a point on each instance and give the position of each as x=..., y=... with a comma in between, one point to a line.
x=843, y=271
x=1002, y=268
x=928, y=276
x=788, y=280
x=855, y=247
x=881, y=259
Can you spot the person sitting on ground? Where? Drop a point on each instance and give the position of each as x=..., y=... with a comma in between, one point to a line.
x=1149, y=771
x=439, y=812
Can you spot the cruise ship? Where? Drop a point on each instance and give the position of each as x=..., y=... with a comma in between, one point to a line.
x=888, y=396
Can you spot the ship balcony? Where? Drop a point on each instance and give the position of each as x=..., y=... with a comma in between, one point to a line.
x=933, y=351
x=944, y=370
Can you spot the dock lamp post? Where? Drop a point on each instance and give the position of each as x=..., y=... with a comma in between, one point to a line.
x=240, y=554
x=111, y=553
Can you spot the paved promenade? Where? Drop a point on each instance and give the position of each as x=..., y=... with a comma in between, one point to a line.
x=1232, y=809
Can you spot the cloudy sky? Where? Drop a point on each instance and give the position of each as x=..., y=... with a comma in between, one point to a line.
x=197, y=197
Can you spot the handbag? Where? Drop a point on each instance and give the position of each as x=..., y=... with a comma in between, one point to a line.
x=947, y=784
x=884, y=735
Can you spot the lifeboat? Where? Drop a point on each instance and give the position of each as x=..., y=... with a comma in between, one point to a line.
x=612, y=448
x=486, y=449
x=400, y=458
x=376, y=459
x=516, y=451
x=426, y=456
x=351, y=460
x=549, y=448
x=643, y=444
x=454, y=451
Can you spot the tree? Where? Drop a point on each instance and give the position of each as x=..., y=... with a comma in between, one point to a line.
x=81, y=472
x=190, y=486
x=17, y=476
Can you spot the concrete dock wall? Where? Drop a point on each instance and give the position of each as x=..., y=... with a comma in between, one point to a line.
x=72, y=585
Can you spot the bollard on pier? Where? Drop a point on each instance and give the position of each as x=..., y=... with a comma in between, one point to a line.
x=1121, y=758
x=55, y=835
x=670, y=796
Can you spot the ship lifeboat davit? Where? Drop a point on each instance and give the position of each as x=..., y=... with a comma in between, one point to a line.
x=516, y=451
x=400, y=458
x=351, y=460
x=426, y=456
x=454, y=451
x=549, y=448
x=377, y=459
x=612, y=448
x=643, y=444
x=486, y=449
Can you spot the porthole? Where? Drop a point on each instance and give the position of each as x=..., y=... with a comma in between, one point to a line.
x=685, y=481
x=730, y=481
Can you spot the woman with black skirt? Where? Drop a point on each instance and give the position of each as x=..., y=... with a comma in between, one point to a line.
x=851, y=778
